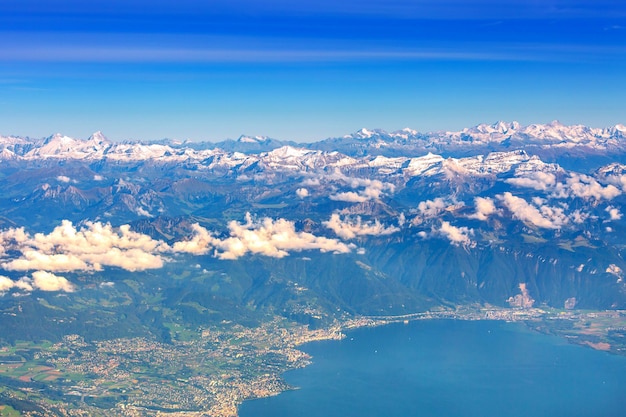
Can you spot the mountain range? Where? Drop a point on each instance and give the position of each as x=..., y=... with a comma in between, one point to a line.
x=370, y=223
x=500, y=136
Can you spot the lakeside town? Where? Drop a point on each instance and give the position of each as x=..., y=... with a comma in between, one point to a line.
x=211, y=371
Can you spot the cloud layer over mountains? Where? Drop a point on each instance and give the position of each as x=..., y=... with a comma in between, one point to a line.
x=89, y=248
x=268, y=237
x=97, y=245
x=338, y=196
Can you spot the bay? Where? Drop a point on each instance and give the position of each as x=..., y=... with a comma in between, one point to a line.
x=450, y=368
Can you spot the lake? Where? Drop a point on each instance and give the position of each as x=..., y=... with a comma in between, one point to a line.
x=444, y=368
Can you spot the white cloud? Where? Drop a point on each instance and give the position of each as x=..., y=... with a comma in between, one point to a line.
x=578, y=216
x=576, y=185
x=372, y=189
x=614, y=213
x=199, y=244
x=618, y=181
x=484, y=208
x=556, y=215
x=45, y=281
x=41, y=280
x=586, y=187
x=538, y=180
x=5, y=284
x=143, y=212
x=431, y=208
x=521, y=300
x=24, y=284
x=349, y=197
x=456, y=235
x=302, y=192
x=63, y=178
x=538, y=201
x=97, y=177
x=547, y=217
x=18, y=235
x=268, y=237
x=452, y=168
x=351, y=228
x=96, y=245
x=90, y=248
x=311, y=182
x=33, y=259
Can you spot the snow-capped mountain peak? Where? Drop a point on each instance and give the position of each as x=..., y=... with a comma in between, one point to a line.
x=57, y=138
x=288, y=152
x=365, y=133
x=489, y=130
x=98, y=137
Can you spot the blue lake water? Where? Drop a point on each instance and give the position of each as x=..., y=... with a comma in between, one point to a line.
x=444, y=368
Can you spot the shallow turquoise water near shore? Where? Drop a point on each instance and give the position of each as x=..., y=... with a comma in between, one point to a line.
x=444, y=368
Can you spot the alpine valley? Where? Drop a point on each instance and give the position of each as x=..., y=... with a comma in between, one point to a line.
x=178, y=278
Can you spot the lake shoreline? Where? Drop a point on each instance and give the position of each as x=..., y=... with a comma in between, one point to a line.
x=529, y=317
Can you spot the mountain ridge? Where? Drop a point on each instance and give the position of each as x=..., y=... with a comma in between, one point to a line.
x=499, y=134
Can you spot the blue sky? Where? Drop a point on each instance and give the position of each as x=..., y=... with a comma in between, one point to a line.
x=304, y=70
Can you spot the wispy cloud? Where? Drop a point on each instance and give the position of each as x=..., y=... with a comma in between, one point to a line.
x=138, y=54
x=287, y=47
x=536, y=180
x=367, y=189
x=349, y=228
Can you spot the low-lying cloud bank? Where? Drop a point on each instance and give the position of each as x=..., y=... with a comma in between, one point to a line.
x=275, y=238
x=89, y=248
x=95, y=246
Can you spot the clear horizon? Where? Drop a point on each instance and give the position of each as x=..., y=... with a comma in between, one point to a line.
x=305, y=71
